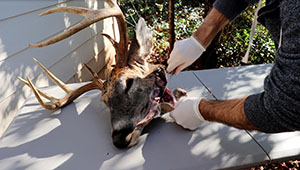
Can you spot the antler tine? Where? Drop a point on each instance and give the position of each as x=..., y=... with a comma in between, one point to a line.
x=71, y=95
x=122, y=49
x=54, y=78
x=59, y=103
x=93, y=16
x=38, y=96
x=114, y=43
x=95, y=75
x=39, y=91
x=77, y=11
x=96, y=78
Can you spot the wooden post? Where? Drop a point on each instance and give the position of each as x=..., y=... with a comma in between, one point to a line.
x=171, y=25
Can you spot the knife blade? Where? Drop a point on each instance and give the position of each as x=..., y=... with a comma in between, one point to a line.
x=170, y=78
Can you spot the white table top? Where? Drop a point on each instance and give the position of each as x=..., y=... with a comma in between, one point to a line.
x=79, y=135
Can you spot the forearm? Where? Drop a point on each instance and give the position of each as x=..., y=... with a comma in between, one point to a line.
x=213, y=23
x=229, y=112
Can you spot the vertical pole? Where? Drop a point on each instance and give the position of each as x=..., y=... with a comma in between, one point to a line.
x=171, y=25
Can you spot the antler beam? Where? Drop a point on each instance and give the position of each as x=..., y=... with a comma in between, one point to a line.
x=90, y=17
x=71, y=94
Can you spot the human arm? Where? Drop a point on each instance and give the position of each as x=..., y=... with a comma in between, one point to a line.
x=223, y=12
x=191, y=112
x=276, y=109
x=188, y=50
x=229, y=112
x=212, y=24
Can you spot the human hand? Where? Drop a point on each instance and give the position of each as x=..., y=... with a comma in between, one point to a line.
x=185, y=52
x=187, y=114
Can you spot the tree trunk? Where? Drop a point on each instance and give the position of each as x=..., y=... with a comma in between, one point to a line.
x=171, y=26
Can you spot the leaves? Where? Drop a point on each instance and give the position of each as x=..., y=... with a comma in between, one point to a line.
x=233, y=42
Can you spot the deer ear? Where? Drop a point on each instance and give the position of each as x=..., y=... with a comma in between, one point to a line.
x=141, y=43
x=144, y=36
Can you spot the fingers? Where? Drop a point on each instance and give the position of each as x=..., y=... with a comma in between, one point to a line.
x=173, y=112
x=173, y=61
x=179, y=69
x=172, y=66
x=171, y=115
x=185, y=52
x=186, y=113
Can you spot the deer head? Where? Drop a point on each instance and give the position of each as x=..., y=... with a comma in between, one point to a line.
x=135, y=92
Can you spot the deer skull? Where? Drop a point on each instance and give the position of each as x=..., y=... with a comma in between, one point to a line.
x=135, y=92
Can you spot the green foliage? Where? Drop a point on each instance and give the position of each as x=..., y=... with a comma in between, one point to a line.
x=187, y=18
x=155, y=12
x=234, y=40
x=232, y=44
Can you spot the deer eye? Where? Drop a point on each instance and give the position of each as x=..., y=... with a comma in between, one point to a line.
x=129, y=83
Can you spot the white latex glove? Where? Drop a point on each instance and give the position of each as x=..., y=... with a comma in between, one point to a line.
x=185, y=52
x=186, y=113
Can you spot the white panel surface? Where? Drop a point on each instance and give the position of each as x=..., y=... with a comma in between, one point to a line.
x=228, y=83
x=21, y=25
x=14, y=8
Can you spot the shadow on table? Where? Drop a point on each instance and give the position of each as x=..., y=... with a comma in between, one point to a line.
x=212, y=146
x=228, y=83
x=76, y=137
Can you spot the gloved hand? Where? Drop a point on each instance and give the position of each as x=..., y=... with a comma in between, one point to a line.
x=185, y=52
x=187, y=114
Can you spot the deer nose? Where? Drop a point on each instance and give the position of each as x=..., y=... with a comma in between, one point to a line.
x=119, y=142
x=120, y=139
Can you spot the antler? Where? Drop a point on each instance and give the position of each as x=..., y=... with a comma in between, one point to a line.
x=71, y=95
x=93, y=16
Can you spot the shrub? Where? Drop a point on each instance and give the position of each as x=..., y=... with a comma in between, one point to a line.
x=231, y=45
